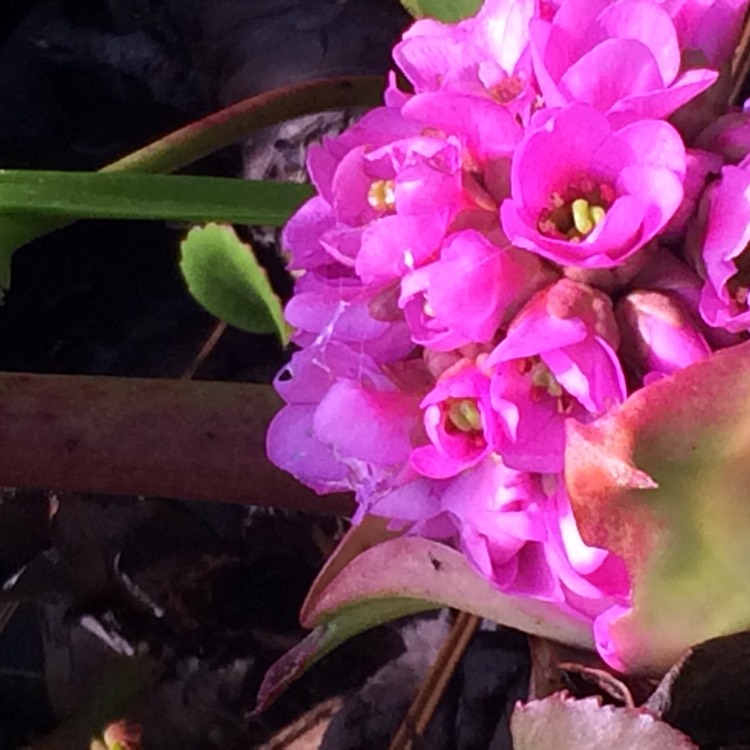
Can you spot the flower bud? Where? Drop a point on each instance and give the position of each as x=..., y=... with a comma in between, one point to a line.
x=657, y=334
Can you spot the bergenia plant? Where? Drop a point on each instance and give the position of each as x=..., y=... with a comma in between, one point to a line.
x=522, y=292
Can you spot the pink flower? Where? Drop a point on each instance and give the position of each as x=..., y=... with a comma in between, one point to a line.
x=724, y=299
x=518, y=531
x=659, y=336
x=484, y=56
x=621, y=57
x=711, y=26
x=586, y=195
x=327, y=309
x=459, y=422
x=558, y=361
x=469, y=292
x=590, y=579
x=346, y=425
x=501, y=522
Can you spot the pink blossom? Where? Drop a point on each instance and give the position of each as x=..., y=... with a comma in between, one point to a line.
x=590, y=579
x=518, y=530
x=327, y=309
x=711, y=26
x=621, y=57
x=586, y=195
x=444, y=314
x=484, y=56
x=502, y=527
x=659, y=336
x=558, y=361
x=346, y=425
x=724, y=299
x=458, y=421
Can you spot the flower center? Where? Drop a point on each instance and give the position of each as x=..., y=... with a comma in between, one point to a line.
x=574, y=213
x=739, y=285
x=382, y=195
x=508, y=89
x=543, y=382
x=464, y=415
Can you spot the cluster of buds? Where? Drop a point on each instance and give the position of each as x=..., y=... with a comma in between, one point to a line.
x=543, y=226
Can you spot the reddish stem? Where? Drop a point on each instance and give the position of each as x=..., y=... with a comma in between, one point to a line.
x=184, y=439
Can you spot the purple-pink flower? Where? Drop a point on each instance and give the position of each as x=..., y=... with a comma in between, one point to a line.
x=509, y=248
x=557, y=362
x=622, y=57
x=458, y=421
x=659, y=336
x=470, y=291
x=584, y=194
x=724, y=300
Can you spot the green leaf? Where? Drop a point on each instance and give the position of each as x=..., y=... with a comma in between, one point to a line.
x=345, y=624
x=97, y=195
x=662, y=481
x=448, y=11
x=401, y=576
x=224, y=276
x=201, y=138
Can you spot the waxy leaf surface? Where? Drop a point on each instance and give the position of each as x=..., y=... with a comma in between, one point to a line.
x=662, y=481
x=399, y=577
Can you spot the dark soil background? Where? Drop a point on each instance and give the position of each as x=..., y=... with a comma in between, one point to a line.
x=206, y=595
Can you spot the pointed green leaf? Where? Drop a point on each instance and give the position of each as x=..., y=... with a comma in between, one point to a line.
x=345, y=624
x=98, y=195
x=224, y=276
x=662, y=481
x=402, y=576
x=443, y=10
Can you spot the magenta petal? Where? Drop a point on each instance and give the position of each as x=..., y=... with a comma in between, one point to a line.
x=417, y=501
x=350, y=186
x=489, y=128
x=302, y=234
x=613, y=70
x=591, y=373
x=648, y=23
x=367, y=425
x=293, y=447
x=394, y=245
x=655, y=143
x=431, y=462
x=500, y=280
x=662, y=102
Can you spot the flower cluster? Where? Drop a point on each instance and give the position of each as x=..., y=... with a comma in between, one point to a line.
x=542, y=225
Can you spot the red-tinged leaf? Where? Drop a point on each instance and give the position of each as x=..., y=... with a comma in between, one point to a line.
x=420, y=569
x=563, y=723
x=663, y=482
x=399, y=577
x=371, y=531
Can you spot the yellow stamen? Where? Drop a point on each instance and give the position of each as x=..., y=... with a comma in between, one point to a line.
x=382, y=195
x=581, y=218
x=465, y=415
